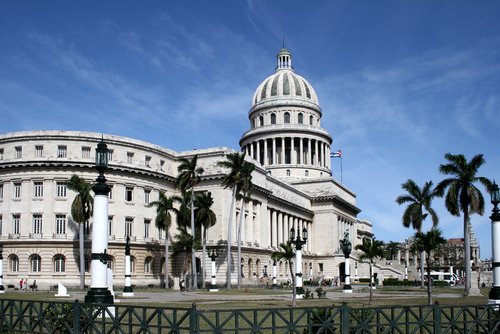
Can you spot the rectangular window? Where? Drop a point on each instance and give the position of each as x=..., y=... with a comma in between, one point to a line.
x=61, y=189
x=128, y=226
x=147, y=161
x=110, y=155
x=86, y=152
x=130, y=157
x=38, y=189
x=60, y=224
x=147, y=196
x=37, y=223
x=162, y=164
x=16, y=223
x=17, y=190
x=147, y=226
x=62, y=151
x=39, y=151
x=1, y=191
x=161, y=233
x=110, y=225
x=19, y=152
x=1, y=153
x=129, y=194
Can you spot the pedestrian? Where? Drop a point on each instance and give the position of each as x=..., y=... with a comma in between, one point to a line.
x=25, y=284
x=21, y=284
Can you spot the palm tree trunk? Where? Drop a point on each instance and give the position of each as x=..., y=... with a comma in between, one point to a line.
x=193, y=255
x=82, y=257
x=429, y=279
x=242, y=217
x=370, y=285
x=229, y=225
x=166, y=260
x=294, y=298
x=467, y=262
x=422, y=270
x=204, y=251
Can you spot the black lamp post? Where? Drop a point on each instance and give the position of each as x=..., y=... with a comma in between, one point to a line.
x=213, y=253
x=2, y=289
x=265, y=271
x=494, y=295
x=128, y=291
x=346, y=247
x=298, y=242
x=99, y=292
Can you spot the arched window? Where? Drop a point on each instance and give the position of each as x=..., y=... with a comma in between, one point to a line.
x=59, y=263
x=13, y=263
x=307, y=173
x=287, y=172
x=35, y=263
x=148, y=265
x=273, y=118
x=286, y=117
x=132, y=264
x=301, y=118
x=261, y=120
x=311, y=120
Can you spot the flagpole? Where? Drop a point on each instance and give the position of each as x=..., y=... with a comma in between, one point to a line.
x=341, y=169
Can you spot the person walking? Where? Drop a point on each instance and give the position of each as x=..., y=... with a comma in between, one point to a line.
x=21, y=284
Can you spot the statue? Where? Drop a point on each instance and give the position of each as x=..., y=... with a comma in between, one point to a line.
x=345, y=245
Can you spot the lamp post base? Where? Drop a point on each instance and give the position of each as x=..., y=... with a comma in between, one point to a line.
x=99, y=296
x=213, y=288
x=347, y=288
x=494, y=295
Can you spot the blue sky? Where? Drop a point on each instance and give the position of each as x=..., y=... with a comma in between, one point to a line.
x=400, y=83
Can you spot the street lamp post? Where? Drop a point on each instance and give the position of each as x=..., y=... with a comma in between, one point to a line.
x=356, y=271
x=298, y=242
x=406, y=271
x=99, y=292
x=213, y=256
x=127, y=289
x=494, y=295
x=346, y=247
x=2, y=289
x=275, y=285
x=265, y=271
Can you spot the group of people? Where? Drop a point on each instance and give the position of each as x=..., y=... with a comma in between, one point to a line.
x=23, y=285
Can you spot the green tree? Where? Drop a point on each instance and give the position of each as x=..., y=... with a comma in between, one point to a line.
x=189, y=176
x=463, y=196
x=239, y=179
x=429, y=242
x=419, y=199
x=184, y=245
x=286, y=253
x=391, y=250
x=164, y=206
x=81, y=211
x=370, y=251
x=206, y=218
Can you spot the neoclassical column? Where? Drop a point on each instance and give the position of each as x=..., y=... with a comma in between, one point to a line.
x=251, y=150
x=266, y=153
x=273, y=226
x=301, y=151
x=293, y=156
x=274, y=152
x=279, y=228
x=316, y=153
x=282, y=150
x=258, y=151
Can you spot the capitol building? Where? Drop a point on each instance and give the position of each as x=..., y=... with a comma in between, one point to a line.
x=292, y=187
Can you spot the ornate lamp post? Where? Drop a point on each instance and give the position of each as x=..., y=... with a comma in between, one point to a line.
x=298, y=242
x=213, y=253
x=2, y=289
x=275, y=286
x=346, y=247
x=98, y=292
x=127, y=289
x=494, y=295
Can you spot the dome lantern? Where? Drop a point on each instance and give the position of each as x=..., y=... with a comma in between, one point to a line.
x=284, y=60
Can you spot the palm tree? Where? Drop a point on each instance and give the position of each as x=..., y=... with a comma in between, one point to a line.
x=183, y=244
x=183, y=239
x=164, y=205
x=239, y=178
x=371, y=250
x=189, y=176
x=286, y=253
x=391, y=249
x=429, y=242
x=414, y=216
x=463, y=196
x=206, y=218
x=81, y=211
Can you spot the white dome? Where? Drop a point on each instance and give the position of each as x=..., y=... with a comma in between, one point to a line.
x=285, y=84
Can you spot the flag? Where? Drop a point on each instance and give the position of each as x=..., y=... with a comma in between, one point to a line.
x=336, y=154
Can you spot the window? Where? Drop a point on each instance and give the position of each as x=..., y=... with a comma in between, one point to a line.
x=86, y=152
x=1, y=224
x=273, y=118
x=320, y=267
x=162, y=164
x=17, y=190
x=287, y=172
x=147, y=226
x=61, y=189
x=311, y=120
x=128, y=226
x=38, y=189
x=1, y=153
x=148, y=265
x=130, y=157
x=1, y=191
x=110, y=155
x=147, y=196
x=300, y=118
x=307, y=173
x=59, y=263
x=286, y=118
x=161, y=233
x=86, y=228
x=147, y=161
x=19, y=152
x=37, y=223
x=86, y=263
x=261, y=120
x=132, y=264
x=110, y=263
x=16, y=222
x=36, y=263
x=13, y=263
x=129, y=194
x=60, y=224
x=62, y=151
x=39, y=151
x=110, y=225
